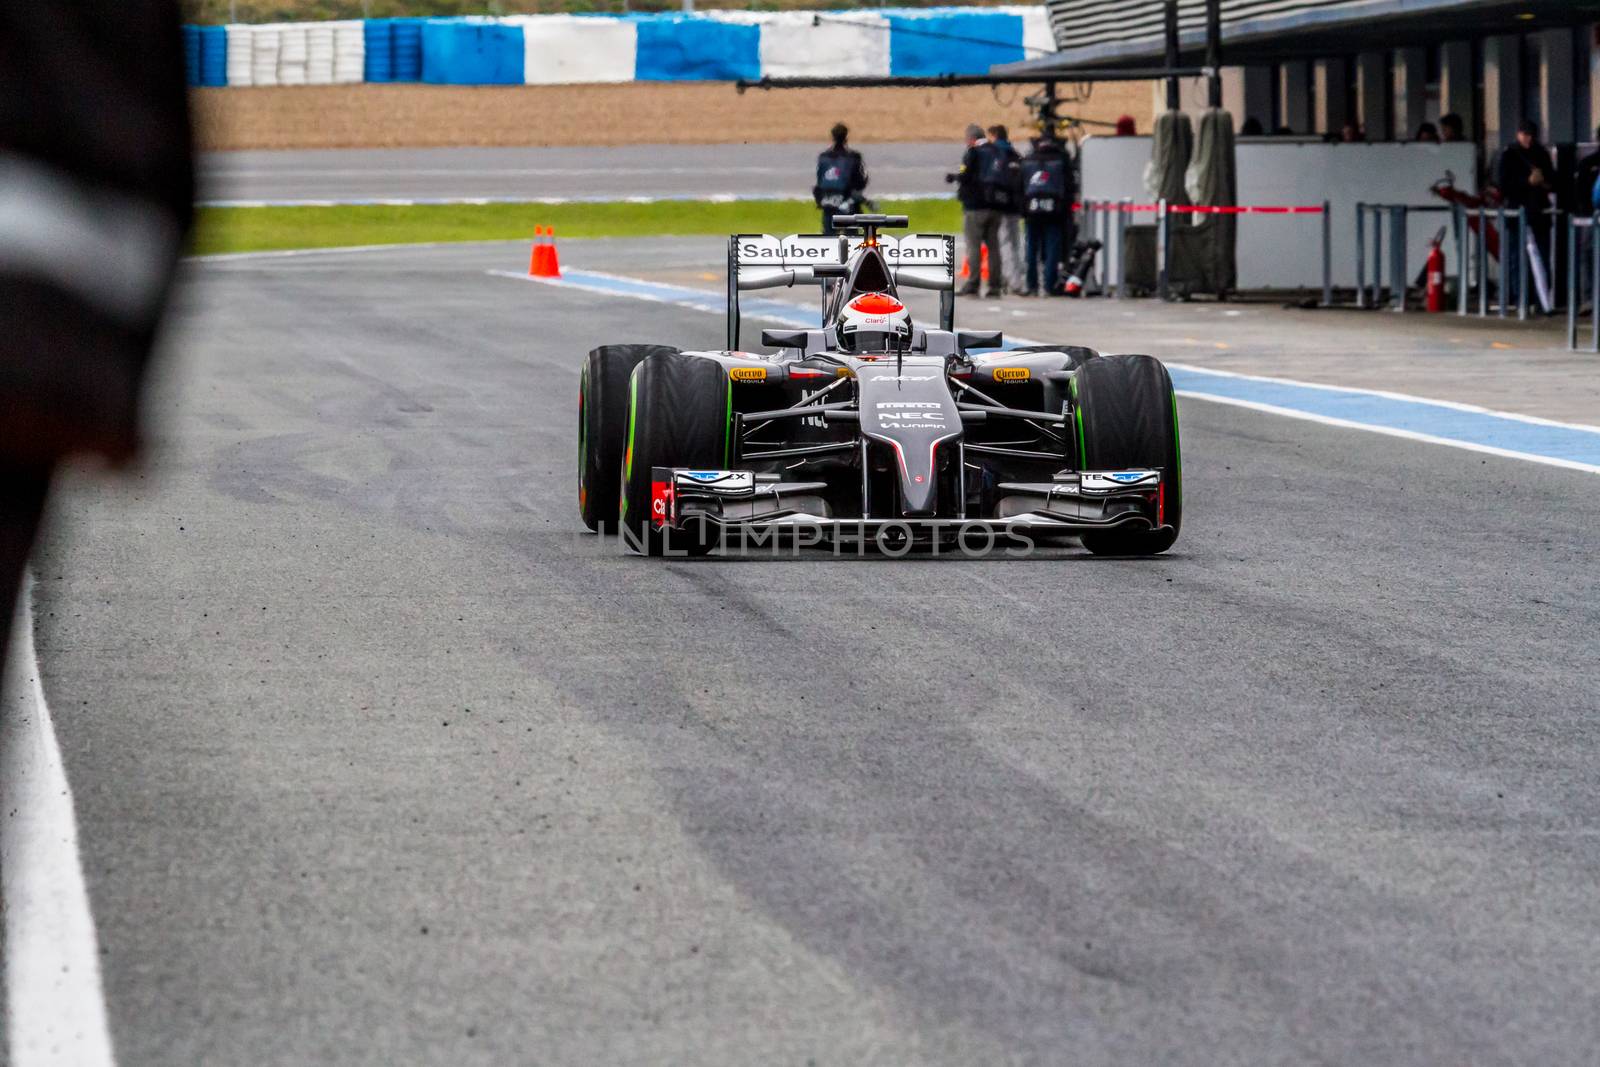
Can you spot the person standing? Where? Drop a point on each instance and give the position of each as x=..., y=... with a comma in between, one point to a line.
x=980, y=223
x=841, y=178
x=1526, y=178
x=1046, y=206
x=97, y=189
x=1006, y=197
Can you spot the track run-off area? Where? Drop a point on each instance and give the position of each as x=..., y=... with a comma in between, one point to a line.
x=378, y=757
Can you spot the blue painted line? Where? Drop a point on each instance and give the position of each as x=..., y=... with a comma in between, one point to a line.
x=1417, y=418
x=779, y=311
x=1458, y=423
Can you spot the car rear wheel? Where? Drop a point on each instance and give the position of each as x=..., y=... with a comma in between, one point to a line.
x=602, y=427
x=677, y=417
x=1127, y=418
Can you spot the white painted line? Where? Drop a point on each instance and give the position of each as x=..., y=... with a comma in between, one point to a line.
x=1390, y=431
x=293, y=253
x=55, y=1007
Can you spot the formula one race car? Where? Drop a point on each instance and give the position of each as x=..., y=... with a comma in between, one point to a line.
x=871, y=427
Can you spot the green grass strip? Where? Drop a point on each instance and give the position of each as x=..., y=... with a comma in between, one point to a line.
x=262, y=229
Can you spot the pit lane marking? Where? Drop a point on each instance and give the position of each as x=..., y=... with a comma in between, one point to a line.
x=54, y=1003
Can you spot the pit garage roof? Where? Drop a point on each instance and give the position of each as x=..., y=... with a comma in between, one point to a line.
x=1112, y=33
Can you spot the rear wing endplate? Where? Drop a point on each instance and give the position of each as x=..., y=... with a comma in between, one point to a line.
x=762, y=261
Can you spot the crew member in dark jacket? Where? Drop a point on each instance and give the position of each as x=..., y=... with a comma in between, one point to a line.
x=1526, y=178
x=96, y=193
x=841, y=178
x=980, y=221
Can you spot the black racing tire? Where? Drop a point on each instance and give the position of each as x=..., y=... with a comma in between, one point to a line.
x=1127, y=418
x=678, y=416
x=1077, y=355
x=602, y=427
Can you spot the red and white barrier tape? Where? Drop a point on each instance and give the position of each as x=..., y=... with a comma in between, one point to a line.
x=1206, y=209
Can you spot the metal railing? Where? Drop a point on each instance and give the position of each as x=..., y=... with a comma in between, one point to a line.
x=1499, y=290
x=1577, y=226
x=1372, y=216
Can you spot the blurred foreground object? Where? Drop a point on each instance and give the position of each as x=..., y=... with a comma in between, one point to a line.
x=96, y=194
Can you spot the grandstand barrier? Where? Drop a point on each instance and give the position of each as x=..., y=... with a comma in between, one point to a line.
x=577, y=49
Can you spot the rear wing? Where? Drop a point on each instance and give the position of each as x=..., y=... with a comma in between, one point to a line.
x=762, y=261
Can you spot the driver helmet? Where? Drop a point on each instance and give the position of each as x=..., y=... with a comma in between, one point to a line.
x=874, y=322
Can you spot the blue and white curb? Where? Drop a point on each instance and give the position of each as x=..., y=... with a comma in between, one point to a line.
x=1573, y=446
x=576, y=49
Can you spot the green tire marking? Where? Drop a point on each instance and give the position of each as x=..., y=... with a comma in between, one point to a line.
x=727, y=427
x=1077, y=414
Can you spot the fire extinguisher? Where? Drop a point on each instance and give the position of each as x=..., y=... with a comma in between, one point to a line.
x=1435, y=270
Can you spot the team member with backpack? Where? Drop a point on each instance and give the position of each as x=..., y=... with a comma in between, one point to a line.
x=841, y=178
x=1047, y=193
x=980, y=221
x=1006, y=196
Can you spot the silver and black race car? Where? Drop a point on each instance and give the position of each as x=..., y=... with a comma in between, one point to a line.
x=871, y=427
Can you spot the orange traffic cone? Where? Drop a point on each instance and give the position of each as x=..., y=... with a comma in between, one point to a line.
x=983, y=269
x=536, y=260
x=552, y=258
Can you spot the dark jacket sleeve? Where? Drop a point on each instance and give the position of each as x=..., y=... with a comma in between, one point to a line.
x=861, y=172
x=967, y=190
x=95, y=139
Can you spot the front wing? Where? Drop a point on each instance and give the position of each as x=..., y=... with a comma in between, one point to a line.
x=1074, y=502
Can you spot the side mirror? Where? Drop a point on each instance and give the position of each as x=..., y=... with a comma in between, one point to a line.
x=966, y=339
x=830, y=270
x=783, y=338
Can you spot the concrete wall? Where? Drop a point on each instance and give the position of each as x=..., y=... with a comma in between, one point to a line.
x=1285, y=251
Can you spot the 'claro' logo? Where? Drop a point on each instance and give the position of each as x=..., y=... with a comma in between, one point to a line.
x=748, y=374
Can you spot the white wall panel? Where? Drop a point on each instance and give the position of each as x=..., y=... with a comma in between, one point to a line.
x=349, y=51
x=560, y=49
x=319, y=53
x=846, y=44
x=1285, y=251
x=265, y=44
x=241, y=59
x=1037, y=39
x=292, y=53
